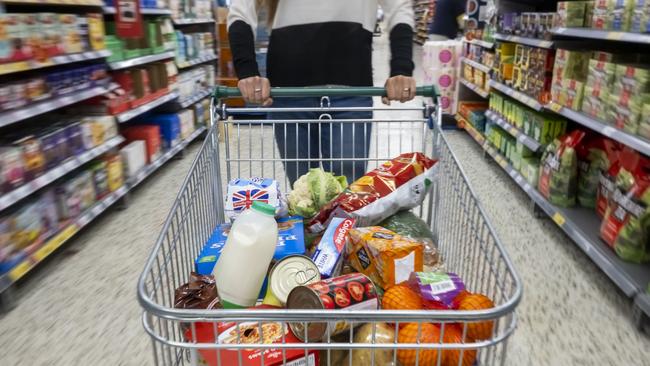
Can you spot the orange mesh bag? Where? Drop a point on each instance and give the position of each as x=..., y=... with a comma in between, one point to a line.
x=401, y=298
x=384, y=256
x=478, y=330
x=453, y=334
x=409, y=334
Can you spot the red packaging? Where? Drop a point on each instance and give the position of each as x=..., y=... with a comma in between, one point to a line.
x=249, y=333
x=626, y=158
x=151, y=136
x=401, y=183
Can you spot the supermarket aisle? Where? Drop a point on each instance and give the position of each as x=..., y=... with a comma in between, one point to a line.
x=80, y=308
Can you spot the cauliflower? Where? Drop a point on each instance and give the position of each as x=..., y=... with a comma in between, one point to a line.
x=313, y=191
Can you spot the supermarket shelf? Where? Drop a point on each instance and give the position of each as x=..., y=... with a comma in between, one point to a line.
x=56, y=2
x=145, y=11
x=149, y=169
x=481, y=43
x=523, y=98
x=10, y=198
x=49, y=105
x=475, y=88
x=194, y=98
x=524, y=40
x=477, y=136
x=128, y=115
x=196, y=61
x=59, y=239
x=475, y=64
x=636, y=142
x=642, y=38
x=582, y=225
x=643, y=302
x=117, y=65
x=190, y=21
x=514, y=131
x=54, y=61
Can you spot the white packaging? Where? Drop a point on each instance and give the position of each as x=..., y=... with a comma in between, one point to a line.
x=134, y=156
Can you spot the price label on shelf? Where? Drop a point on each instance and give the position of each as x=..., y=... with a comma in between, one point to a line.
x=54, y=243
x=18, y=271
x=555, y=107
x=614, y=36
x=559, y=219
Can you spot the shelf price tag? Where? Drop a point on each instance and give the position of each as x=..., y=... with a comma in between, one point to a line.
x=559, y=219
x=54, y=243
x=18, y=271
x=614, y=36
x=555, y=107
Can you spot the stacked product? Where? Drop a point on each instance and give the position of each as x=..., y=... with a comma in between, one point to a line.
x=440, y=60
x=476, y=21
x=28, y=226
x=191, y=46
x=574, y=14
x=424, y=12
x=569, y=74
x=191, y=9
x=504, y=62
x=531, y=25
x=40, y=36
x=158, y=37
x=193, y=81
x=18, y=92
x=142, y=84
x=474, y=113
x=477, y=77
x=610, y=15
x=144, y=4
x=479, y=54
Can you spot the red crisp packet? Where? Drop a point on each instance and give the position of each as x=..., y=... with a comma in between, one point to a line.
x=401, y=183
x=249, y=333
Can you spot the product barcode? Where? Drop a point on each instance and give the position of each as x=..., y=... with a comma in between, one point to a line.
x=440, y=287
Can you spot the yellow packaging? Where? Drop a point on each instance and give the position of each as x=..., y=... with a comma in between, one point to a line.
x=96, y=31
x=384, y=256
x=114, y=172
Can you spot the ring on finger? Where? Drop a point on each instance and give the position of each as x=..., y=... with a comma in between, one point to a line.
x=258, y=90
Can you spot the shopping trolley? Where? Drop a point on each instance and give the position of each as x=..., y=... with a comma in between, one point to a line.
x=244, y=148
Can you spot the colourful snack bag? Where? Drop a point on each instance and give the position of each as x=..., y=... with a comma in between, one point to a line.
x=401, y=183
x=558, y=176
x=626, y=225
x=384, y=256
x=594, y=157
x=436, y=288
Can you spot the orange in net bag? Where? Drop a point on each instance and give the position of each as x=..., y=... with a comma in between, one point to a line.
x=477, y=330
x=409, y=334
x=401, y=298
x=384, y=256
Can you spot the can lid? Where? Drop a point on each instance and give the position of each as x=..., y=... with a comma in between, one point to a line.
x=264, y=208
x=291, y=272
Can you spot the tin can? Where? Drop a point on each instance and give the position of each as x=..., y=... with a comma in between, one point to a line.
x=291, y=272
x=353, y=291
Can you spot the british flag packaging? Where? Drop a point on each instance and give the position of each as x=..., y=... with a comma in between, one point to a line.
x=242, y=193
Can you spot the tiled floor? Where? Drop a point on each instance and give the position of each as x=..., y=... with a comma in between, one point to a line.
x=80, y=307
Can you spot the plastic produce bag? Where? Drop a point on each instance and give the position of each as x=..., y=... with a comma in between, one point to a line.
x=594, y=158
x=401, y=183
x=558, y=177
x=408, y=224
x=313, y=191
x=626, y=225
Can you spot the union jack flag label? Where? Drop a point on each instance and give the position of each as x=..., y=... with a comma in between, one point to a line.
x=243, y=192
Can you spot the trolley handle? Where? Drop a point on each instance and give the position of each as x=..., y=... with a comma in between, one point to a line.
x=319, y=91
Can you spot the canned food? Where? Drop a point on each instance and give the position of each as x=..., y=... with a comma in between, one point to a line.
x=291, y=272
x=353, y=291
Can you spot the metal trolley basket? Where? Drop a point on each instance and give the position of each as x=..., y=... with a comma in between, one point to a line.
x=244, y=148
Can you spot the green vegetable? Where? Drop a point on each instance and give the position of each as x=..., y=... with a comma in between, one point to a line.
x=408, y=224
x=314, y=190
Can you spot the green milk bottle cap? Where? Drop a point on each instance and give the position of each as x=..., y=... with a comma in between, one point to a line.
x=264, y=208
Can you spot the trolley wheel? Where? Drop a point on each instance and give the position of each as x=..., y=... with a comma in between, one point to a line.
x=641, y=319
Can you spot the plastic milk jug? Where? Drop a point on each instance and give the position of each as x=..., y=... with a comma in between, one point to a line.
x=244, y=261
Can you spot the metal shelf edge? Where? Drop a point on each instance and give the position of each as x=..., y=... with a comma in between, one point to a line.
x=534, y=42
x=475, y=88
x=475, y=64
x=602, y=34
x=8, y=199
x=197, y=61
x=129, y=115
x=188, y=21
x=194, y=98
x=14, y=67
x=482, y=43
x=527, y=100
x=136, y=61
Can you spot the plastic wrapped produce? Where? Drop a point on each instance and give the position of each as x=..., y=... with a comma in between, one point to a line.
x=408, y=224
x=313, y=191
x=558, y=177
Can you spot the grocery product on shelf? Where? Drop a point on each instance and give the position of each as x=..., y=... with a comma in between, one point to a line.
x=134, y=158
x=192, y=46
x=476, y=19
x=594, y=158
x=436, y=289
x=558, y=181
x=252, y=239
x=529, y=24
x=150, y=134
x=573, y=14
x=196, y=9
x=155, y=40
x=399, y=184
x=313, y=190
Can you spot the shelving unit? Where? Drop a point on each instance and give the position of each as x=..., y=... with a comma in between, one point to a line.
x=48, y=177
x=197, y=61
x=56, y=2
x=524, y=40
x=144, y=11
x=481, y=43
x=192, y=21
x=475, y=64
x=35, y=109
x=474, y=88
x=130, y=114
x=194, y=98
x=641, y=38
x=528, y=141
x=54, y=61
x=142, y=60
x=523, y=98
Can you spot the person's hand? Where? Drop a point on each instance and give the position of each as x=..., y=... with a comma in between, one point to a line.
x=256, y=90
x=400, y=88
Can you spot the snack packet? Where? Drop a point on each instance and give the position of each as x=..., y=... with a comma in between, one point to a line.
x=594, y=158
x=241, y=193
x=384, y=256
x=401, y=183
x=558, y=176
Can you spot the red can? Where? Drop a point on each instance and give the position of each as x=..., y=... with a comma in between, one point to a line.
x=353, y=291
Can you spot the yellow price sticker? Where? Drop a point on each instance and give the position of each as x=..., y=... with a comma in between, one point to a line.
x=17, y=272
x=615, y=36
x=503, y=163
x=54, y=243
x=559, y=219
x=555, y=107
